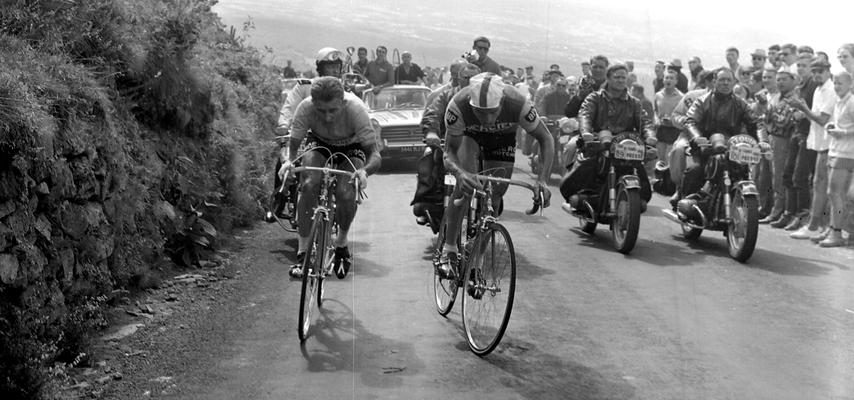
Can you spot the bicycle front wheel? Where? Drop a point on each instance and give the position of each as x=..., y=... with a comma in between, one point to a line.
x=444, y=289
x=311, y=268
x=488, y=289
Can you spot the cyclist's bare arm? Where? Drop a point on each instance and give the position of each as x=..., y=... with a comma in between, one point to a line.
x=544, y=138
x=373, y=158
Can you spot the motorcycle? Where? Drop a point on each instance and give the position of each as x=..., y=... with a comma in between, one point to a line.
x=728, y=201
x=562, y=131
x=617, y=200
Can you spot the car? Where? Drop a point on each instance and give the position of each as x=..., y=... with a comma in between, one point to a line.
x=396, y=113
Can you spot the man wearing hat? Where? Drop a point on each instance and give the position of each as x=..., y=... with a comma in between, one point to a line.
x=758, y=59
x=682, y=82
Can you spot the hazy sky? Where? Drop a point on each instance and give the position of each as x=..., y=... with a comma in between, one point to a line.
x=703, y=28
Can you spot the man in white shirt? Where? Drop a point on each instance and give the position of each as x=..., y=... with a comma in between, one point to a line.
x=822, y=108
x=840, y=161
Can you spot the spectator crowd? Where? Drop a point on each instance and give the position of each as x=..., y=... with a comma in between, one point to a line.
x=806, y=110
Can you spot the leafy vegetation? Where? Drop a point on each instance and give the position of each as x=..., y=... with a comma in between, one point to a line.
x=124, y=126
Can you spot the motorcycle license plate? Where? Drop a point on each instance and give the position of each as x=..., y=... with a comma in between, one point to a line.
x=628, y=150
x=450, y=180
x=745, y=154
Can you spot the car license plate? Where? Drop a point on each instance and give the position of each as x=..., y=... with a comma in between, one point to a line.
x=411, y=149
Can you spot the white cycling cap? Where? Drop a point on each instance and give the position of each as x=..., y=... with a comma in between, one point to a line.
x=487, y=89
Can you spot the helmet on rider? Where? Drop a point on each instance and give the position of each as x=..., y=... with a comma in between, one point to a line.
x=329, y=62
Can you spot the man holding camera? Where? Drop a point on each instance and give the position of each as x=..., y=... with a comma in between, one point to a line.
x=478, y=56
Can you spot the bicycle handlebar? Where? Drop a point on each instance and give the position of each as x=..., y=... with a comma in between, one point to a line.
x=350, y=174
x=538, y=195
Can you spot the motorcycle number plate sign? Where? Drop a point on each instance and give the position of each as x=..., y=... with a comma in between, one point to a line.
x=628, y=150
x=450, y=180
x=745, y=154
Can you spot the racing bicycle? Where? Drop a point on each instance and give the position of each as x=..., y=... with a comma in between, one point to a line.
x=487, y=272
x=318, y=261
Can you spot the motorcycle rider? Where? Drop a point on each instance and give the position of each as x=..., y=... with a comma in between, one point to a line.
x=719, y=111
x=431, y=168
x=609, y=110
x=329, y=62
x=481, y=120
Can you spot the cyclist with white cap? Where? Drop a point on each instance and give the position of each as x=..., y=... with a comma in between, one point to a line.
x=481, y=120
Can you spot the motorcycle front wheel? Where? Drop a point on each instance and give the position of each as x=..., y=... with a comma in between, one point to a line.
x=743, y=228
x=626, y=222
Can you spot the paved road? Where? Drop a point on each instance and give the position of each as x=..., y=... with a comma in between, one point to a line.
x=673, y=320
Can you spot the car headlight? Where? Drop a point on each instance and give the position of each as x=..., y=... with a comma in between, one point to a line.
x=378, y=130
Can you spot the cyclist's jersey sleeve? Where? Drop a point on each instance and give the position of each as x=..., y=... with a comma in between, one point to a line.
x=352, y=125
x=516, y=111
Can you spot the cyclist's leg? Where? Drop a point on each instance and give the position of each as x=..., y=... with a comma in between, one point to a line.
x=498, y=161
x=467, y=154
x=310, y=182
x=345, y=201
x=345, y=210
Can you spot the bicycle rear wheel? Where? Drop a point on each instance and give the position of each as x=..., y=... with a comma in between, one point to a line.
x=489, y=288
x=310, y=272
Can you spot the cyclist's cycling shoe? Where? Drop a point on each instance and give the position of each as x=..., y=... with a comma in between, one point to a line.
x=296, y=269
x=342, y=260
x=448, y=264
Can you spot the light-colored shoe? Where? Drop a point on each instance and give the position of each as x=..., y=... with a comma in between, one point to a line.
x=803, y=233
x=834, y=239
x=821, y=236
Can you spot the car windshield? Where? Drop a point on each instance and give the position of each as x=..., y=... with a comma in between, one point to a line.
x=390, y=98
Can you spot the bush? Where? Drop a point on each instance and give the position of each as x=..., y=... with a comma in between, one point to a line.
x=118, y=121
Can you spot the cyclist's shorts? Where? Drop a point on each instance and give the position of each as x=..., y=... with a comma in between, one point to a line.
x=496, y=147
x=354, y=150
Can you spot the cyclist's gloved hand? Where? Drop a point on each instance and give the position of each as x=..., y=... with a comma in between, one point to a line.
x=285, y=169
x=362, y=176
x=547, y=194
x=432, y=139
